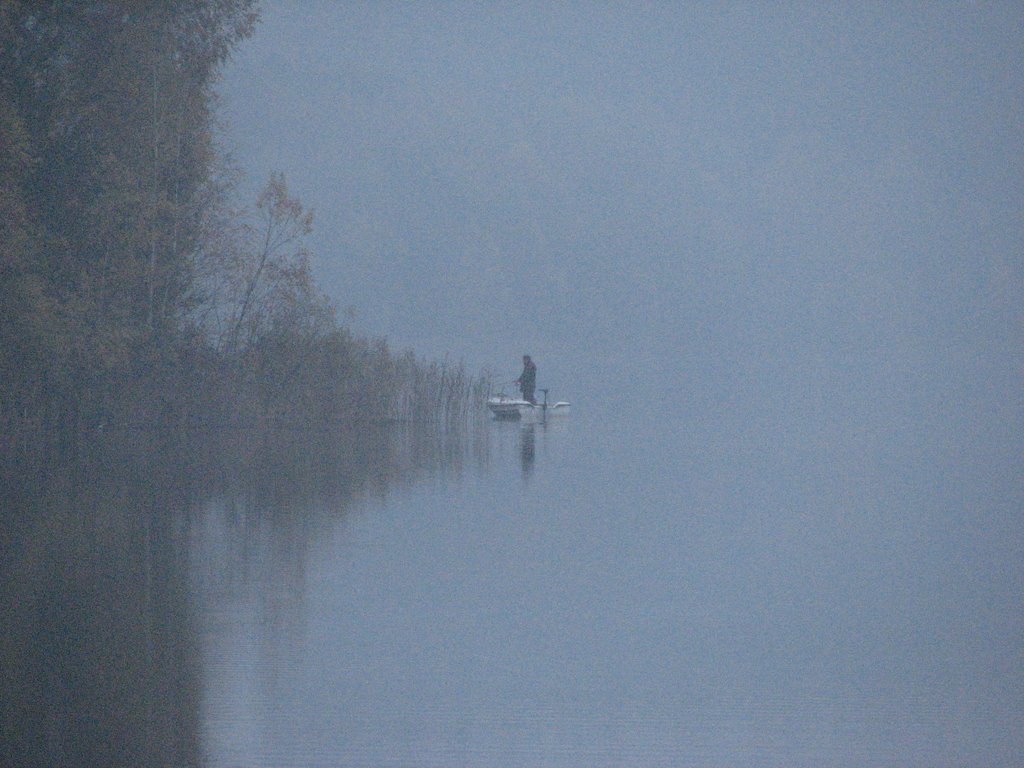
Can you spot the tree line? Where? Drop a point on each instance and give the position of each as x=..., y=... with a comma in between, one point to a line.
x=133, y=290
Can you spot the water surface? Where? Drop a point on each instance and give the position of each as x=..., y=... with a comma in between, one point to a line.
x=633, y=586
x=625, y=591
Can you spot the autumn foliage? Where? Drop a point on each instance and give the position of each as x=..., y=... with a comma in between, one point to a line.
x=132, y=288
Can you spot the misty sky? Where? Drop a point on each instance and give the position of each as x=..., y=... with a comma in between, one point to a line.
x=647, y=196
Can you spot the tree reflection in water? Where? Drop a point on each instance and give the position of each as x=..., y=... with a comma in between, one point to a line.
x=99, y=649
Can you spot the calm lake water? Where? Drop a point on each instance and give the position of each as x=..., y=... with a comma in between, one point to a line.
x=631, y=588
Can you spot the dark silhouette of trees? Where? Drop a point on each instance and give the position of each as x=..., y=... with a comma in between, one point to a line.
x=130, y=291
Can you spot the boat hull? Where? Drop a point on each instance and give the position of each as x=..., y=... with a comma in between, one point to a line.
x=505, y=408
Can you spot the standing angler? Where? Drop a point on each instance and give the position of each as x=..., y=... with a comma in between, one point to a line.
x=527, y=380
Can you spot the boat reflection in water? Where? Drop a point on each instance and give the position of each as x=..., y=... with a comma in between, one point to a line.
x=527, y=447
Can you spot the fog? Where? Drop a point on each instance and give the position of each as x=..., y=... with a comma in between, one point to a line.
x=796, y=230
x=655, y=201
x=775, y=258
x=773, y=255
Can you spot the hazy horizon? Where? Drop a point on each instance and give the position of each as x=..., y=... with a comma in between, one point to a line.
x=704, y=192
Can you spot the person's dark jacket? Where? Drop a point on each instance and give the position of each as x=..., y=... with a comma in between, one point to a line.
x=528, y=378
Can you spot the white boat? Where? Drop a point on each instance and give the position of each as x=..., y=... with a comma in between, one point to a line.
x=509, y=408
